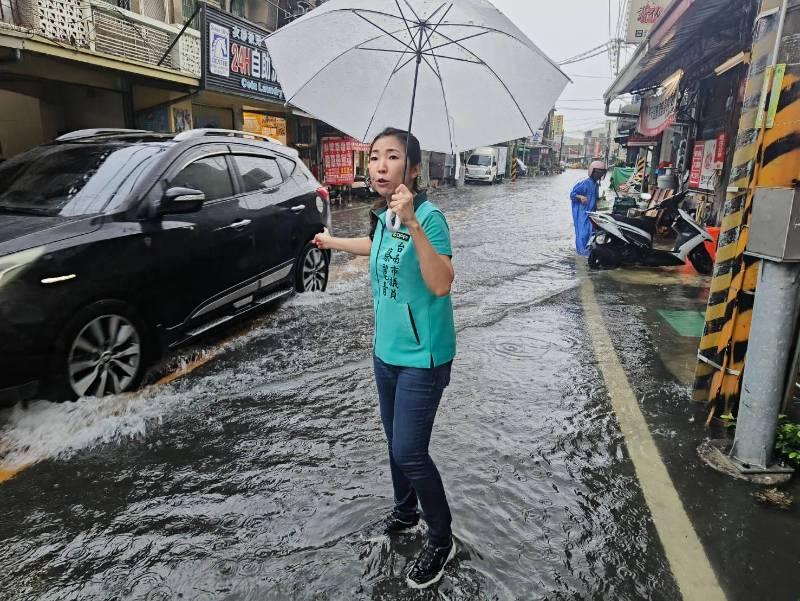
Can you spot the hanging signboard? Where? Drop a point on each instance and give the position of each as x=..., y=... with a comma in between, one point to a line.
x=235, y=58
x=697, y=165
x=642, y=15
x=658, y=111
x=722, y=150
x=557, y=127
x=337, y=159
x=708, y=174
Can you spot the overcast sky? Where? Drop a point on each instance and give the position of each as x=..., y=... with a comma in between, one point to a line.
x=563, y=29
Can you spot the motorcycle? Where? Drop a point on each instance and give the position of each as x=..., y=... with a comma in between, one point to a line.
x=620, y=240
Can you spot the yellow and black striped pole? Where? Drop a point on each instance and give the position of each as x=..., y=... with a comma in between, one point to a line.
x=767, y=153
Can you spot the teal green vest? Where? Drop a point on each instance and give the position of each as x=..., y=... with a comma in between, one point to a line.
x=413, y=327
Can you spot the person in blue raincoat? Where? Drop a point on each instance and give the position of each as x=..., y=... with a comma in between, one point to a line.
x=584, y=200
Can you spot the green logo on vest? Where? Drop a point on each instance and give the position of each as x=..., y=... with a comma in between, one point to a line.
x=401, y=236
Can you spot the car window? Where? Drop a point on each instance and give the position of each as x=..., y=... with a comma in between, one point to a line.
x=258, y=172
x=287, y=165
x=481, y=160
x=210, y=175
x=74, y=179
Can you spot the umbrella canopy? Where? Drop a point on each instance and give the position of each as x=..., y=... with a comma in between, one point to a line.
x=471, y=75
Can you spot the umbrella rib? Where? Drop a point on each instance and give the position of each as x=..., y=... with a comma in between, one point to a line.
x=405, y=21
x=411, y=8
x=446, y=106
x=330, y=62
x=513, y=37
x=433, y=14
x=414, y=57
x=499, y=79
x=424, y=55
x=469, y=37
x=433, y=29
x=380, y=99
x=391, y=35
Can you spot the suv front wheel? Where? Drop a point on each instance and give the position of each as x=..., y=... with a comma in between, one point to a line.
x=101, y=352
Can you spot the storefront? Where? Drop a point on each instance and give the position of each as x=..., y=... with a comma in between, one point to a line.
x=47, y=90
x=689, y=75
x=238, y=89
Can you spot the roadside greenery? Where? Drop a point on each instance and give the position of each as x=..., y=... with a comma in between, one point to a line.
x=787, y=441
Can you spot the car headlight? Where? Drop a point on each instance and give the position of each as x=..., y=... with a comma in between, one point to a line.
x=488, y=172
x=12, y=265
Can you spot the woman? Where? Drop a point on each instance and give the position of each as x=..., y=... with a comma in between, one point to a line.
x=415, y=340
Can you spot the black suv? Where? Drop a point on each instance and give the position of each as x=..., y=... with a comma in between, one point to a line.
x=118, y=244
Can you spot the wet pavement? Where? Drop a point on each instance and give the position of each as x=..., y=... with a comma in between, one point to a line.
x=260, y=474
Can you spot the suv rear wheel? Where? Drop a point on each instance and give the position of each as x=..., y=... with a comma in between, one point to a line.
x=101, y=352
x=311, y=272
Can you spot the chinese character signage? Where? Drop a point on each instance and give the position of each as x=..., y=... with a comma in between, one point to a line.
x=703, y=175
x=708, y=174
x=337, y=159
x=557, y=127
x=697, y=165
x=642, y=15
x=235, y=57
x=722, y=150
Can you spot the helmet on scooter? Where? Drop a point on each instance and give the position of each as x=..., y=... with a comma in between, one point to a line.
x=597, y=165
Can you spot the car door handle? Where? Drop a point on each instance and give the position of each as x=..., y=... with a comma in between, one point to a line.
x=236, y=225
x=298, y=208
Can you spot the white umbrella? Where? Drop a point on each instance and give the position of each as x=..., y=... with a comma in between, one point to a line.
x=460, y=72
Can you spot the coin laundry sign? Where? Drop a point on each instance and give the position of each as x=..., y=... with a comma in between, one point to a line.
x=235, y=58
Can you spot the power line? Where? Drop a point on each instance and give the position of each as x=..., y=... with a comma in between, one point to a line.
x=602, y=48
x=585, y=58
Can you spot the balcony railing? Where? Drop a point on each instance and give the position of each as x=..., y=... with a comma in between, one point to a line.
x=110, y=28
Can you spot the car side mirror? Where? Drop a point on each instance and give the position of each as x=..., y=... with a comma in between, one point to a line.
x=181, y=200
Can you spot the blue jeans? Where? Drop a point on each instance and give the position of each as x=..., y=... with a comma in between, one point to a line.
x=409, y=398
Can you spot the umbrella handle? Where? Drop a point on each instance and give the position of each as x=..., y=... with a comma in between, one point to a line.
x=393, y=221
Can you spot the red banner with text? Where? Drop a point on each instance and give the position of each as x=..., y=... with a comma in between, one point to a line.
x=337, y=159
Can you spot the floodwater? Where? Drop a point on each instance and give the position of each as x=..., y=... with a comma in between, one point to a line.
x=261, y=474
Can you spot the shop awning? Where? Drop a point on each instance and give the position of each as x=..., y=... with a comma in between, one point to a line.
x=684, y=22
x=639, y=141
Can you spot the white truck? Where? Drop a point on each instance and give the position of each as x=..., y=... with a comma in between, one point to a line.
x=487, y=164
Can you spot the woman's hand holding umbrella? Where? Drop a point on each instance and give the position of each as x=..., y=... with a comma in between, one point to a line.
x=402, y=205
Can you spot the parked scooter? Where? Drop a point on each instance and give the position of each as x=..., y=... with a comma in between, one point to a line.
x=622, y=240
x=624, y=202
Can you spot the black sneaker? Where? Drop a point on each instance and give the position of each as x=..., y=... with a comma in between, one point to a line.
x=429, y=566
x=395, y=523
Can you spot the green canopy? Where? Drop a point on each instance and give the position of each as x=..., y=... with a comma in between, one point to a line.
x=620, y=175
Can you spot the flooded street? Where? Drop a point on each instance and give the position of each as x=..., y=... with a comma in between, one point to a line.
x=261, y=474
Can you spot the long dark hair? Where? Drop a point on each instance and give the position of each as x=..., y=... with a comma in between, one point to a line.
x=414, y=154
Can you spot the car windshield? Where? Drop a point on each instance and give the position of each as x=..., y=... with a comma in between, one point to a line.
x=72, y=179
x=481, y=160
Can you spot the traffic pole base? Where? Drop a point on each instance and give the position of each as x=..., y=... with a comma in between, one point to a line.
x=714, y=453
